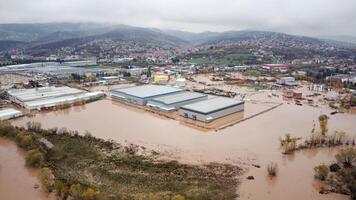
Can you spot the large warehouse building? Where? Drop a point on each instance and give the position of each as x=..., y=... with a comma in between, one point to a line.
x=46, y=97
x=211, y=109
x=175, y=101
x=141, y=94
x=9, y=113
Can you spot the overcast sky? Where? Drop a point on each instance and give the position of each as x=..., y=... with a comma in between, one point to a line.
x=307, y=17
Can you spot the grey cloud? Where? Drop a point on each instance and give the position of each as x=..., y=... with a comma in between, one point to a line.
x=309, y=17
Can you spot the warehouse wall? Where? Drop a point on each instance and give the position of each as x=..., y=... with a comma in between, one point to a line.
x=215, y=115
x=128, y=98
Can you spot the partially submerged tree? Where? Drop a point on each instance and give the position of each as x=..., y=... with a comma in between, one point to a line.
x=323, y=122
x=272, y=169
x=321, y=172
x=289, y=143
x=347, y=157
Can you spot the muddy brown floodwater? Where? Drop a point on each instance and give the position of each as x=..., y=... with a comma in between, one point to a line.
x=16, y=180
x=255, y=141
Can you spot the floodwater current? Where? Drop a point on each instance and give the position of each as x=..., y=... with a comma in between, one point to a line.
x=16, y=180
x=254, y=141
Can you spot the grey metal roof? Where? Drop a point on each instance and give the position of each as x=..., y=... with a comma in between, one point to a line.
x=212, y=105
x=179, y=97
x=145, y=91
x=43, y=92
x=49, y=102
x=9, y=113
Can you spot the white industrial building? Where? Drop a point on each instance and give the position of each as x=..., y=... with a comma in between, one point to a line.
x=69, y=99
x=46, y=97
x=80, y=63
x=20, y=96
x=175, y=101
x=141, y=94
x=9, y=113
x=290, y=81
x=211, y=109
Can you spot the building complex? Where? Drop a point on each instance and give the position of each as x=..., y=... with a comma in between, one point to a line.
x=211, y=109
x=47, y=97
x=141, y=94
x=192, y=105
x=175, y=101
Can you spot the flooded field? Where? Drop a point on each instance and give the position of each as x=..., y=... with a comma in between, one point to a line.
x=254, y=141
x=16, y=180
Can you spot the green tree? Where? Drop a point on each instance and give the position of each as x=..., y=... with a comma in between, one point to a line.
x=34, y=158
x=47, y=179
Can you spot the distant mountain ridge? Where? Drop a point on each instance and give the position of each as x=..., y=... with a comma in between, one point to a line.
x=55, y=35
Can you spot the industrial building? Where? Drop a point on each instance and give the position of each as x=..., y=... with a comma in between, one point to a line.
x=46, y=97
x=211, y=109
x=288, y=81
x=9, y=113
x=69, y=99
x=59, y=70
x=175, y=101
x=141, y=94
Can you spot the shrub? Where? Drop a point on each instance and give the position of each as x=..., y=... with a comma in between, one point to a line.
x=346, y=157
x=178, y=197
x=25, y=140
x=7, y=130
x=321, y=172
x=34, y=158
x=287, y=139
x=76, y=191
x=289, y=143
x=272, y=169
x=47, y=179
x=323, y=122
x=289, y=147
x=59, y=187
x=89, y=194
x=334, y=167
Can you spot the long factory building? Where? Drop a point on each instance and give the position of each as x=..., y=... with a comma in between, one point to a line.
x=175, y=101
x=9, y=113
x=47, y=97
x=211, y=109
x=190, y=105
x=141, y=94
